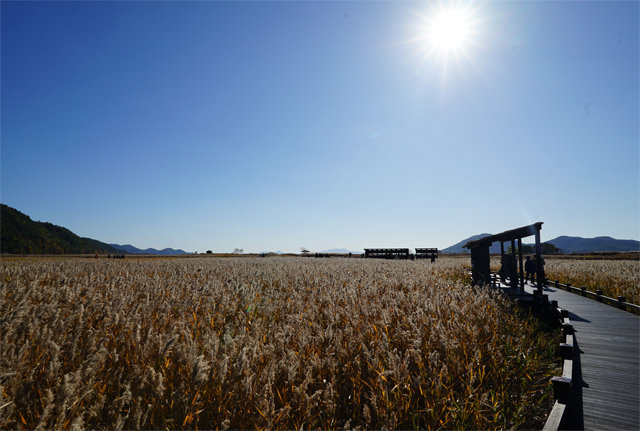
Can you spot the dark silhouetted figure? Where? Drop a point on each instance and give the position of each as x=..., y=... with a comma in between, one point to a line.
x=539, y=267
x=530, y=269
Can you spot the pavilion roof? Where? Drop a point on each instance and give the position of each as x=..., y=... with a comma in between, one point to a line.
x=505, y=236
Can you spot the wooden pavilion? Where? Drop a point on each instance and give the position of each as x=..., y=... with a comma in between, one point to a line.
x=480, y=259
x=387, y=253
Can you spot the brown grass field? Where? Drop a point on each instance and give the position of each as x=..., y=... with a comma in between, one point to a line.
x=616, y=274
x=614, y=277
x=278, y=343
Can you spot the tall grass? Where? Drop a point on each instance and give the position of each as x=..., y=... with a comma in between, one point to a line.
x=264, y=343
x=614, y=277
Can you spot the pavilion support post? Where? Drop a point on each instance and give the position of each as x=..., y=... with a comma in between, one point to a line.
x=514, y=269
x=520, y=265
x=475, y=265
x=539, y=266
x=501, y=261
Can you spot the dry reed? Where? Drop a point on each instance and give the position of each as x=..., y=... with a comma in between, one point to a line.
x=614, y=277
x=264, y=343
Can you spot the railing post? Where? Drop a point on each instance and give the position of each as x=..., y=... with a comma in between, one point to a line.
x=557, y=284
x=561, y=388
x=568, y=286
x=566, y=351
x=599, y=295
x=621, y=300
x=567, y=329
x=543, y=302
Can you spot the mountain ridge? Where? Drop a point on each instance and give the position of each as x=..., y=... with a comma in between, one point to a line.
x=19, y=234
x=459, y=246
x=576, y=244
x=566, y=244
x=128, y=248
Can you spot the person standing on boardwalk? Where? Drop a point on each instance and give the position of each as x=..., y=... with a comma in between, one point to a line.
x=538, y=267
x=530, y=269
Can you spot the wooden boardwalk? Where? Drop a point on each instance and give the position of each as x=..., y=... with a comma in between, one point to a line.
x=606, y=379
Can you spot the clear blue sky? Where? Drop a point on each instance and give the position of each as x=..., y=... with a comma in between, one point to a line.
x=276, y=125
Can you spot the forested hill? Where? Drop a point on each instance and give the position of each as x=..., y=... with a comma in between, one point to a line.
x=21, y=235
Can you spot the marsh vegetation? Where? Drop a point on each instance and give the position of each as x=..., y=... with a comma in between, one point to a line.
x=265, y=343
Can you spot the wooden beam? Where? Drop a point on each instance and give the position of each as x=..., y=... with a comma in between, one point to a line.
x=539, y=268
x=514, y=276
x=521, y=265
x=521, y=232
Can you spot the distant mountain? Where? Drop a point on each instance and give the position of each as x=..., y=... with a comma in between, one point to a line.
x=576, y=244
x=128, y=248
x=566, y=244
x=21, y=235
x=459, y=247
x=340, y=251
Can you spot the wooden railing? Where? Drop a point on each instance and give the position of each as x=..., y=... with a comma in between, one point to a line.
x=562, y=384
x=619, y=302
x=597, y=295
x=426, y=253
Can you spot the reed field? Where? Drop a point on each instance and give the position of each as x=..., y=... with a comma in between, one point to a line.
x=615, y=277
x=276, y=343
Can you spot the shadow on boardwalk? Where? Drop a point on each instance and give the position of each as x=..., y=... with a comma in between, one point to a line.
x=576, y=416
x=575, y=318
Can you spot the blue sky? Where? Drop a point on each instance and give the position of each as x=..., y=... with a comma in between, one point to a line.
x=276, y=125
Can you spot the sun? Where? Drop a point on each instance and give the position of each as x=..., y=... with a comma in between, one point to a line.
x=447, y=33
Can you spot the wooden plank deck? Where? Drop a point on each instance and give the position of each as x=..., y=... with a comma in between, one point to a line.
x=606, y=380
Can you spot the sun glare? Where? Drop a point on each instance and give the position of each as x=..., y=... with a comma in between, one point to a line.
x=448, y=32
